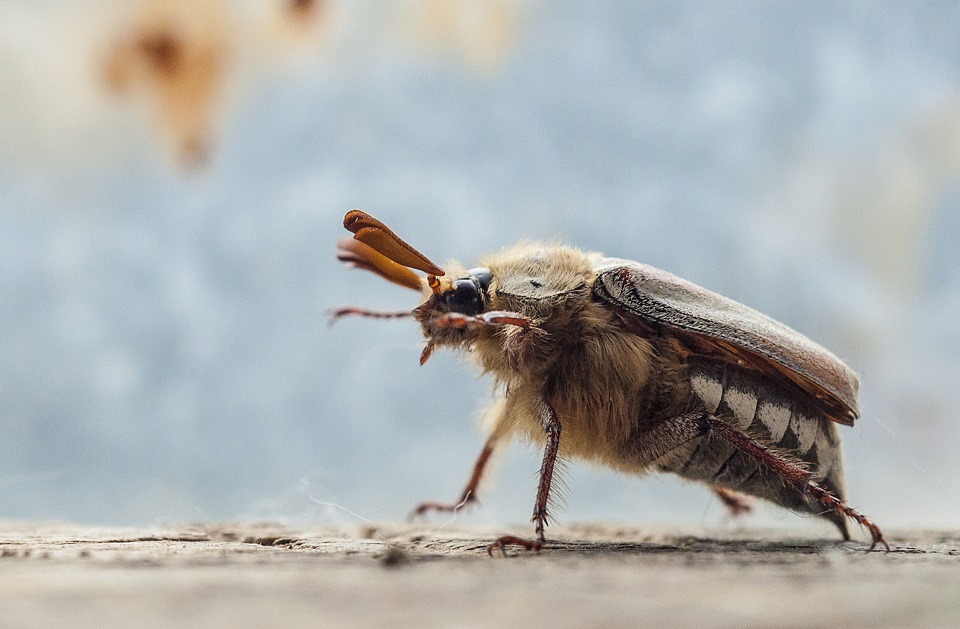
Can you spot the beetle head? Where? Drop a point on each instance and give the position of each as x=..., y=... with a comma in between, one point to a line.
x=467, y=295
x=376, y=248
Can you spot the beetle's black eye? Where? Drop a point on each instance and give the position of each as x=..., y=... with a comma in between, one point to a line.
x=483, y=277
x=464, y=297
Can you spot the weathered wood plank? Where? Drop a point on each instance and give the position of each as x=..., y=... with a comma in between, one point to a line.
x=268, y=575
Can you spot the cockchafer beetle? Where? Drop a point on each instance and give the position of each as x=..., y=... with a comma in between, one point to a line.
x=622, y=364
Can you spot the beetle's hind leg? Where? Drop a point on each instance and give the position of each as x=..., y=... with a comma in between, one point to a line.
x=794, y=475
x=829, y=501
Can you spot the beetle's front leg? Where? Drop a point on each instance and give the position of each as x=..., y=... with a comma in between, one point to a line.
x=469, y=493
x=541, y=518
x=492, y=319
x=349, y=311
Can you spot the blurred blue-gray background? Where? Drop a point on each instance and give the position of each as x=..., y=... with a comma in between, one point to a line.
x=173, y=177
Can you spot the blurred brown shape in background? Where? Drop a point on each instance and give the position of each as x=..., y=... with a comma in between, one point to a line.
x=304, y=12
x=480, y=31
x=174, y=56
x=293, y=21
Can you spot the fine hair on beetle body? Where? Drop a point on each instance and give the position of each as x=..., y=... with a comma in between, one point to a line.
x=575, y=354
x=617, y=363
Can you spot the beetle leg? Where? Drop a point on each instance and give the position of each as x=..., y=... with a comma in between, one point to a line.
x=669, y=435
x=511, y=540
x=655, y=443
x=827, y=499
x=503, y=317
x=795, y=475
x=516, y=324
x=427, y=351
x=551, y=425
x=469, y=493
x=736, y=504
x=494, y=318
x=336, y=315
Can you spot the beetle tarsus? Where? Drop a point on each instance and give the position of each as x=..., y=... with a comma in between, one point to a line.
x=826, y=498
x=443, y=507
x=541, y=520
x=511, y=540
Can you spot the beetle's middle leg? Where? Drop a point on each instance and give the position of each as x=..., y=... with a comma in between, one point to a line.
x=551, y=425
x=658, y=441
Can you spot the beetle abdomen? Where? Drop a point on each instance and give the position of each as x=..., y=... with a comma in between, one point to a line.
x=773, y=414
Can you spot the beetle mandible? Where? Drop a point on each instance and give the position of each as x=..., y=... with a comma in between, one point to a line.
x=622, y=364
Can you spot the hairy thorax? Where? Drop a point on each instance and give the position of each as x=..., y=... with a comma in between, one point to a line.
x=579, y=358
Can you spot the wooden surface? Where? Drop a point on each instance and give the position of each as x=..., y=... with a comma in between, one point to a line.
x=270, y=576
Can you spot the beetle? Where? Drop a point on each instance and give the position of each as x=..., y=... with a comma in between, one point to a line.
x=622, y=364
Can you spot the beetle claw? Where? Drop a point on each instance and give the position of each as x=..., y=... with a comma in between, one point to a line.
x=511, y=540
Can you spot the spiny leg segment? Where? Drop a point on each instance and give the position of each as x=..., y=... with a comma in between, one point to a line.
x=551, y=425
x=794, y=475
x=657, y=442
